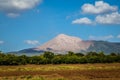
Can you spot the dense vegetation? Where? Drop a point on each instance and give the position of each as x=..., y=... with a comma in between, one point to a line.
x=51, y=58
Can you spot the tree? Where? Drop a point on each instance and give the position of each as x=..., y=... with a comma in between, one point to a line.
x=48, y=55
x=91, y=54
x=93, y=59
x=12, y=59
x=70, y=53
x=79, y=54
x=101, y=54
x=22, y=59
x=83, y=60
x=36, y=60
x=56, y=60
x=72, y=59
x=113, y=54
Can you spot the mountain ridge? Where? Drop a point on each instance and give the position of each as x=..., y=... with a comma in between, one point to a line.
x=64, y=43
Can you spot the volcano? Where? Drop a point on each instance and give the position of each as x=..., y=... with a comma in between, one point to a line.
x=64, y=43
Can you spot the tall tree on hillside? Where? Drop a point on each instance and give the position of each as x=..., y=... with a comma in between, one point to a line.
x=48, y=55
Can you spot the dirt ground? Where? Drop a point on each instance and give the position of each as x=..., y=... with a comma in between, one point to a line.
x=75, y=72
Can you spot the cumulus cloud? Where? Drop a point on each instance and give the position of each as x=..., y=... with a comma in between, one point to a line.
x=105, y=14
x=101, y=37
x=14, y=7
x=113, y=18
x=100, y=7
x=1, y=42
x=84, y=20
x=31, y=42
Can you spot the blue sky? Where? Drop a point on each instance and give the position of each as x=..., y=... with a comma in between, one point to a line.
x=30, y=23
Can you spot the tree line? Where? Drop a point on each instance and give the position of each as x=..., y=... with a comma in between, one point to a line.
x=51, y=58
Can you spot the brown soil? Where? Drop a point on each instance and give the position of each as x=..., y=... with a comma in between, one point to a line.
x=71, y=74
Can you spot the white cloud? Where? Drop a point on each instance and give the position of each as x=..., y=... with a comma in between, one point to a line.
x=113, y=18
x=101, y=37
x=100, y=7
x=13, y=15
x=1, y=42
x=84, y=20
x=17, y=6
x=31, y=42
x=118, y=36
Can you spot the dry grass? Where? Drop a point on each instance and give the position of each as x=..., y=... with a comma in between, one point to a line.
x=61, y=72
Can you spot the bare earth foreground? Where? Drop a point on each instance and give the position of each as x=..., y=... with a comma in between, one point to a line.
x=61, y=72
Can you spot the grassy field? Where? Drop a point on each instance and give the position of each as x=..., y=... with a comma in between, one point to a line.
x=61, y=72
